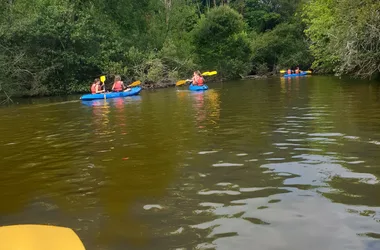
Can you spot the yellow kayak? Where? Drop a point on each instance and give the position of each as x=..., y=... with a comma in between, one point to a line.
x=39, y=237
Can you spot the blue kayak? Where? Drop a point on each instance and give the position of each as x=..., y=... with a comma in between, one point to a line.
x=111, y=101
x=292, y=75
x=198, y=88
x=133, y=91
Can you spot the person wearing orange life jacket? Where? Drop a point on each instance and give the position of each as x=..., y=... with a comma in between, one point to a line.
x=118, y=85
x=197, y=79
x=95, y=87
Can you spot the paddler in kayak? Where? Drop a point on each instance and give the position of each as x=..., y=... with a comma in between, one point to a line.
x=118, y=85
x=298, y=70
x=95, y=87
x=197, y=79
x=289, y=71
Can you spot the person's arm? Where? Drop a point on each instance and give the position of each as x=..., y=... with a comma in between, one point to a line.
x=113, y=86
x=99, y=90
x=193, y=80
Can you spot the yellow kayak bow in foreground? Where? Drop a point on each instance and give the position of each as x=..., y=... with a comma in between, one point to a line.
x=39, y=237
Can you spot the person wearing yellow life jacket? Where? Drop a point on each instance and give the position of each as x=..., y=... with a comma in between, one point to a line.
x=95, y=87
x=118, y=85
x=197, y=79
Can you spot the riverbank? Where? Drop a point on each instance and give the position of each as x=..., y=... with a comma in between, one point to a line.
x=6, y=97
x=255, y=77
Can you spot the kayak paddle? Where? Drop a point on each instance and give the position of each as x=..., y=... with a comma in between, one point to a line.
x=207, y=73
x=210, y=73
x=103, y=79
x=284, y=71
x=42, y=237
x=181, y=82
x=134, y=84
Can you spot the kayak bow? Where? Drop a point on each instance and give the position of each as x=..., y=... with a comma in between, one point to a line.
x=41, y=237
x=198, y=88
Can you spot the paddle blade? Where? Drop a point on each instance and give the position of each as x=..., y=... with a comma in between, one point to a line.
x=181, y=82
x=39, y=237
x=212, y=73
x=102, y=78
x=282, y=71
x=308, y=71
x=205, y=73
x=134, y=84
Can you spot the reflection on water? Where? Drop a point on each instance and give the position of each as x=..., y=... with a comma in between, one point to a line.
x=207, y=107
x=273, y=164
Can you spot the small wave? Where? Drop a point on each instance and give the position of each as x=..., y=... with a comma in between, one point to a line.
x=226, y=164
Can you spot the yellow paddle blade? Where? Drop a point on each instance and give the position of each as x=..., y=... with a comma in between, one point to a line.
x=102, y=78
x=39, y=237
x=181, y=82
x=205, y=73
x=308, y=71
x=282, y=71
x=134, y=84
x=212, y=73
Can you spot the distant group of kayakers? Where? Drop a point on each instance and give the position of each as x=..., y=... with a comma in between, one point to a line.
x=118, y=86
x=296, y=71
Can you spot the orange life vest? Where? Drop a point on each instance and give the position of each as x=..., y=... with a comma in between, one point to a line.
x=118, y=86
x=93, y=88
x=199, y=81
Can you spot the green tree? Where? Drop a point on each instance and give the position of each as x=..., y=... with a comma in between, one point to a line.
x=284, y=46
x=263, y=15
x=345, y=36
x=51, y=46
x=321, y=20
x=221, y=42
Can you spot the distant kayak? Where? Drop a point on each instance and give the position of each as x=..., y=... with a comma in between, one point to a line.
x=292, y=75
x=133, y=91
x=198, y=88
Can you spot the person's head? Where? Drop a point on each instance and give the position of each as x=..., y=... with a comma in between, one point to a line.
x=97, y=81
x=197, y=73
x=117, y=78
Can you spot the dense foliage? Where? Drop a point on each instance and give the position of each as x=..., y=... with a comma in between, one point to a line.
x=60, y=46
x=345, y=36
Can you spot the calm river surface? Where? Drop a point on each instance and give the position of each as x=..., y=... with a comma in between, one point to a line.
x=266, y=164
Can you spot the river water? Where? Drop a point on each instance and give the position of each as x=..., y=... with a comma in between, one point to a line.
x=266, y=164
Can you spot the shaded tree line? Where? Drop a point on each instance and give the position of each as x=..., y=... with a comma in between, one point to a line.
x=58, y=46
